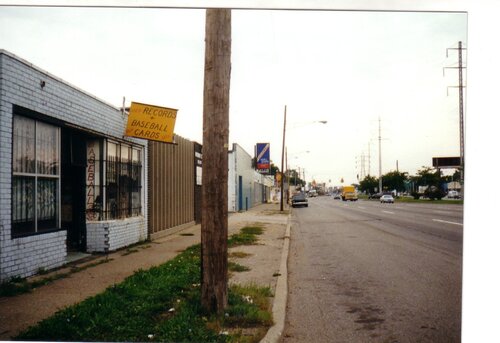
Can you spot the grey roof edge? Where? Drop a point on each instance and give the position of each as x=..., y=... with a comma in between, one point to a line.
x=31, y=65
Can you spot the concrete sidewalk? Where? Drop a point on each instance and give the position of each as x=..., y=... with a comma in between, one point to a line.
x=265, y=261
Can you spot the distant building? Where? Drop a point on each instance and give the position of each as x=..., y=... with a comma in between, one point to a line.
x=246, y=187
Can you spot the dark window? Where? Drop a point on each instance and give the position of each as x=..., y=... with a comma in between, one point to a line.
x=123, y=181
x=35, y=176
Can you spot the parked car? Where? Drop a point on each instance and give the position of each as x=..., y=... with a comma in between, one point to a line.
x=386, y=198
x=299, y=199
x=337, y=197
x=313, y=193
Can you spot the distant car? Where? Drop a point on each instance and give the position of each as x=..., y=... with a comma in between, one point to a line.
x=375, y=196
x=386, y=199
x=337, y=197
x=299, y=200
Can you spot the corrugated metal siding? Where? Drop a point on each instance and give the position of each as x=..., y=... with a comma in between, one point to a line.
x=171, y=184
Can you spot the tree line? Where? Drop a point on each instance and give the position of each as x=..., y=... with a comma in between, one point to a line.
x=403, y=182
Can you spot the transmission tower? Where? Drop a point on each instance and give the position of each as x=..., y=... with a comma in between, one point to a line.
x=461, y=107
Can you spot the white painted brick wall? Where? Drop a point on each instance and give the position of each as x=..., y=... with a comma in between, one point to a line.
x=242, y=165
x=20, y=85
x=120, y=233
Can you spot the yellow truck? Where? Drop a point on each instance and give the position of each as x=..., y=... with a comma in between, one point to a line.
x=349, y=193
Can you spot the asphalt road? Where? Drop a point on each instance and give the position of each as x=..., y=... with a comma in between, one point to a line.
x=369, y=272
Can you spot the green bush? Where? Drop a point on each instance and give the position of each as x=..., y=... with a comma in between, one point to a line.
x=434, y=192
x=415, y=195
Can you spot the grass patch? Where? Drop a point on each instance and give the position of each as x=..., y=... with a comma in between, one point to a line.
x=130, y=251
x=252, y=230
x=14, y=287
x=42, y=271
x=428, y=201
x=18, y=285
x=160, y=304
x=239, y=254
x=236, y=267
x=248, y=316
x=274, y=212
x=136, y=247
x=249, y=305
x=246, y=236
x=423, y=201
x=241, y=239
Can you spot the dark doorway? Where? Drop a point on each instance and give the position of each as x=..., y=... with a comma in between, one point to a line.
x=240, y=193
x=74, y=161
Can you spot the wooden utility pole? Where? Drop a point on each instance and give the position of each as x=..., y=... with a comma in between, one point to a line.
x=214, y=224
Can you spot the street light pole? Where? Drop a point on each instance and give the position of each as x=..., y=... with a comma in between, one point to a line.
x=283, y=158
x=379, y=159
x=283, y=162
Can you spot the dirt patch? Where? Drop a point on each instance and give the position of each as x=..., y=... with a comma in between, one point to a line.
x=263, y=259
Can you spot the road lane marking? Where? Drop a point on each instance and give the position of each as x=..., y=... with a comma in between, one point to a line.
x=447, y=222
x=388, y=212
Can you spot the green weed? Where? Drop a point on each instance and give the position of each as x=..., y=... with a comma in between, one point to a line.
x=239, y=254
x=236, y=267
x=252, y=230
x=14, y=286
x=246, y=236
x=160, y=304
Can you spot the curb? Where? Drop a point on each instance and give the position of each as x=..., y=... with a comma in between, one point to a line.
x=281, y=293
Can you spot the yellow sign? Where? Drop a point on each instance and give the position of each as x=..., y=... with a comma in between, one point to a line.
x=151, y=122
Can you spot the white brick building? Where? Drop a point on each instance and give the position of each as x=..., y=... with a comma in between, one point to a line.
x=246, y=187
x=69, y=179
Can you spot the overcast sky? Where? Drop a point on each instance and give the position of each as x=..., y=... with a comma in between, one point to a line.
x=344, y=67
x=348, y=68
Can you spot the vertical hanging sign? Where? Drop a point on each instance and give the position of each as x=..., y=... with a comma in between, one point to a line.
x=263, y=158
x=151, y=122
x=93, y=198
